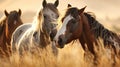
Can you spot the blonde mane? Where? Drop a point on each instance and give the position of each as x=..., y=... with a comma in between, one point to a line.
x=38, y=21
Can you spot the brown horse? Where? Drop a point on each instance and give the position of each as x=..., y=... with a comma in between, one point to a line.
x=7, y=26
x=75, y=26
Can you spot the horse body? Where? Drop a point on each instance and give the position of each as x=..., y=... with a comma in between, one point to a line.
x=26, y=41
x=7, y=26
x=17, y=34
x=38, y=34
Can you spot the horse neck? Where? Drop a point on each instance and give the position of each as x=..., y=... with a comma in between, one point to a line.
x=87, y=34
x=44, y=38
x=3, y=38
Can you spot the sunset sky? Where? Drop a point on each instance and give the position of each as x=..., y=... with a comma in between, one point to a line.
x=103, y=9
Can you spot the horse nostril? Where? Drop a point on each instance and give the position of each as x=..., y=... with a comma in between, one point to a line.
x=60, y=40
x=51, y=36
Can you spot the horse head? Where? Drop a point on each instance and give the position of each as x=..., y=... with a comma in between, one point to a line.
x=71, y=28
x=51, y=14
x=13, y=20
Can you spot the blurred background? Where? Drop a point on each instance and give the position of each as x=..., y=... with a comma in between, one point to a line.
x=107, y=11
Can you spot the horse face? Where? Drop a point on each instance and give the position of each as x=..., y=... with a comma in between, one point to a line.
x=71, y=28
x=51, y=14
x=13, y=20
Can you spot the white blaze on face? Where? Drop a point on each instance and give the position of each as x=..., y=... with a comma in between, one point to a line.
x=63, y=28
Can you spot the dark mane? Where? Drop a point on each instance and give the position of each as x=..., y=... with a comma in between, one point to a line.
x=2, y=22
x=99, y=30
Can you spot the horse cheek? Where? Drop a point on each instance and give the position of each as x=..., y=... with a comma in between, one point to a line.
x=79, y=31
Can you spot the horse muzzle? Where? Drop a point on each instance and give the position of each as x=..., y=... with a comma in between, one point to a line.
x=60, y=42
x=52, y=34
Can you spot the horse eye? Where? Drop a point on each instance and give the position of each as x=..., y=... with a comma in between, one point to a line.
x=44, y=16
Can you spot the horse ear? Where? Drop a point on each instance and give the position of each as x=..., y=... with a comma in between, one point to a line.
x=44, y=3
x=6, y=13
x=56, y=3
x=82, y=10
x=69, y=5
x=20, y=12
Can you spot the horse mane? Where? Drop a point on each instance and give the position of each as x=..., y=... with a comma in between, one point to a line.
x=2, y=22
x=91, y=14
x=99, y=30
x=38, y=21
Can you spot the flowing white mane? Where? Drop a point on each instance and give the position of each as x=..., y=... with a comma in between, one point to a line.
x=38, y=20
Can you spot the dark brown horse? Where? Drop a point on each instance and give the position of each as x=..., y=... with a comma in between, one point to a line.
x=75, y=26
x=7, y=26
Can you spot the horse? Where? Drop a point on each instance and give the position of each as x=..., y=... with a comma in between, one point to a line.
x=8, y=24
x=75, y=25
x=41, y=36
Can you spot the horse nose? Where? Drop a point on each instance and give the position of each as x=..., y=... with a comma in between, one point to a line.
x=61, y=41
x=52, y=34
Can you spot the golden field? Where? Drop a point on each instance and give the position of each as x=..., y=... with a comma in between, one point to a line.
x=106, y=11
x=70, y=56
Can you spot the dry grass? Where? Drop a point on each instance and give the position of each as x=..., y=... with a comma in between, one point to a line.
x=70, y=56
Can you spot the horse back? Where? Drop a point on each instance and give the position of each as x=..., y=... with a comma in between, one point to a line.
x=18, y=33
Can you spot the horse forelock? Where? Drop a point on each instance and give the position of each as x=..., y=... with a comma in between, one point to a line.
x=51, y=7
x=73, y=11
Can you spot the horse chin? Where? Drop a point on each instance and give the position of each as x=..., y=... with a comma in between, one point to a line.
x=60, y=45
